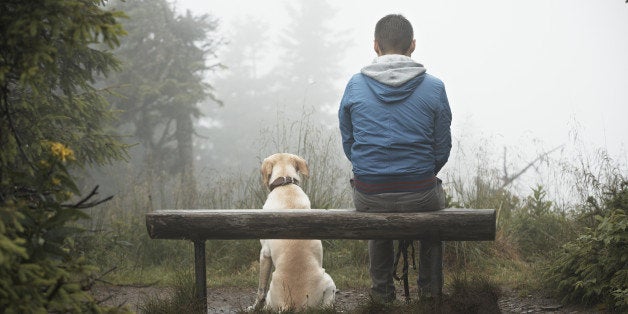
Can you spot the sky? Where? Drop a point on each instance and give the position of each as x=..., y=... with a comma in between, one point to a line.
x=529, y=73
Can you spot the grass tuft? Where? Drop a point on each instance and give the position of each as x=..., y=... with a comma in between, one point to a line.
x=468, y=294
x=182, y=300
x=472, y=294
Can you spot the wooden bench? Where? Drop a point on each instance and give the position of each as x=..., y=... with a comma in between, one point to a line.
x=450, y=224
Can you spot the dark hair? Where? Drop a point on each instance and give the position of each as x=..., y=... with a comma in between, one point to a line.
x=394, y=34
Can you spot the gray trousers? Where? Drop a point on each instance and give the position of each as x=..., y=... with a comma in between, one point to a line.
x=381, y=252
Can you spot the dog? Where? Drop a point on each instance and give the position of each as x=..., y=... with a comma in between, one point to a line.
x=299, y=280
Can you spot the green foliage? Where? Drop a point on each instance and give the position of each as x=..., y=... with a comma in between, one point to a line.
x=51, y=119
x=538, y=229
x=594, y=268
x=36, y=244
x=46, y=67
x=120, y=242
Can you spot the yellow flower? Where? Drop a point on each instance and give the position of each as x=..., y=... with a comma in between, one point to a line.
x=56, y=181
x=61, y=151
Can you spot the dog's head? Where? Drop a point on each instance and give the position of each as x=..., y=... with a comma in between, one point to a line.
x=283, y=165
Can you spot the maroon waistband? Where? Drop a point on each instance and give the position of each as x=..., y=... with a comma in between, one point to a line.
x=394, y=186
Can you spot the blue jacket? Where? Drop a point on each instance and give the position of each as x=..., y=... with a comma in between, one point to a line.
x=395, y=124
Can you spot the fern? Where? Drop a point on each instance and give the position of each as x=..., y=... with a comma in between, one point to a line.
x=593, y=269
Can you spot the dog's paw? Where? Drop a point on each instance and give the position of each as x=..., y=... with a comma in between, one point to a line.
x=259, y=304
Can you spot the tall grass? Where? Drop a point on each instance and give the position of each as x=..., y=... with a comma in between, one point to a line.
x=328, y=184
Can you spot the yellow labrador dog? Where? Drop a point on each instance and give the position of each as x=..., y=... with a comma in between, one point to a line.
x=299, y=280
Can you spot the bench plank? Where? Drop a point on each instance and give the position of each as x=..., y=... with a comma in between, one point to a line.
x=452, y=224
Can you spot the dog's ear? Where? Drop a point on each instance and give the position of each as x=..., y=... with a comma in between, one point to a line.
x=301, y=165
x=267, y=170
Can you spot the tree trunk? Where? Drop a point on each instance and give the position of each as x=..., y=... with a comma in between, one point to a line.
x=184, y=134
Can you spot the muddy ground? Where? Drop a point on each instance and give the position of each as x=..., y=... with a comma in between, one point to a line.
x=233, y=300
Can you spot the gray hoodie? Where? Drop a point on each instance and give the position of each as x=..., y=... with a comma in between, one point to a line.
x=393, y=70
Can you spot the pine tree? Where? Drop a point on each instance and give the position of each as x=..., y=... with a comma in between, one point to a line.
x=313, y=52
x=51, y=119
x=161, y=86
x=263, y=95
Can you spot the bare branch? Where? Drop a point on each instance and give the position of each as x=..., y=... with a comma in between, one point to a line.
x=83, y=202
x=509, y=179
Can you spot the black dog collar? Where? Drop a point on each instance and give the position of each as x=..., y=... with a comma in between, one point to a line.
x=283, y=181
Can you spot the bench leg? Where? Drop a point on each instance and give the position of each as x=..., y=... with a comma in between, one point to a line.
x=431, y=268
x=200, y=273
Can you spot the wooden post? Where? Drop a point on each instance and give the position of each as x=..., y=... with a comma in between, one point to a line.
x=431, y=268
x=200, y=274
x=436, y=267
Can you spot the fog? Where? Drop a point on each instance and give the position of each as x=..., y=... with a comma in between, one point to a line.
x=515, y=69
x=522, y=77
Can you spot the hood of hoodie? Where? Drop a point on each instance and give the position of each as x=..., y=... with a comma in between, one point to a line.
x=393, y=77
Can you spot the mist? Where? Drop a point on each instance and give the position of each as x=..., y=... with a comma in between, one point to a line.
x=531, y=84
x=523, y=78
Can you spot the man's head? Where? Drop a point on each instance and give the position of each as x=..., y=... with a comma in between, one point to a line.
x=394, y=35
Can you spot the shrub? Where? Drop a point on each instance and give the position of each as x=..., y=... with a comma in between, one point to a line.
x=537, y=228
x=594, y=268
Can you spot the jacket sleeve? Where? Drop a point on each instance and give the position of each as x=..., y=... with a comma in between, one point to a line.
x=442, y=133
x=344, y=117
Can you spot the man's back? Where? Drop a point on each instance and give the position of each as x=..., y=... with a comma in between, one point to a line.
x=395, y=133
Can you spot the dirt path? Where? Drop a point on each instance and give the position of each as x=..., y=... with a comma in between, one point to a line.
x=222, y=300
x=232, y=300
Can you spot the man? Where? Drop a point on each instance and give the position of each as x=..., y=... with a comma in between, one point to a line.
x=395, y=125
